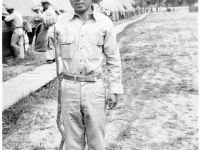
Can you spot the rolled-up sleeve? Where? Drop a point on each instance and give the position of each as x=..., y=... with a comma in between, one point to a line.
x=9, y=18
x=113, y=61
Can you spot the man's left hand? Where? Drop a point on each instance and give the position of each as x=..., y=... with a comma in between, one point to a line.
x=112, y=100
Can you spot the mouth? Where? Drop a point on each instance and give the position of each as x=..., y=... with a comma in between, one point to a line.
x=79, y=4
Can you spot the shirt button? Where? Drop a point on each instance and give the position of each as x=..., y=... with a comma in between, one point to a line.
x=81, y=35
x=80, y=60
x=80, y=72
x=81, y=48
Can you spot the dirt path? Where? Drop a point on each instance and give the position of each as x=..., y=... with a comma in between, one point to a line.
x=158, y=110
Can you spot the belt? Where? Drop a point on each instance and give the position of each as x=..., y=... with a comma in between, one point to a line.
x=17, y=27
x=82, y=78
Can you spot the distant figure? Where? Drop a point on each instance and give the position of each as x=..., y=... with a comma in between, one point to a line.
x=47, y=9
x=137, y=9
x=151, y=8
x=156, y=7
x=180, y=2
x=17, y=37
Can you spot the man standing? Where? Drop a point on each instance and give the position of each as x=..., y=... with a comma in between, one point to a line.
x=47, y=9
x=17, y=37
x=86, y=37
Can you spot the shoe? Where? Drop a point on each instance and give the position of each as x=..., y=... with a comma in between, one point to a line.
x=49, y=61
x=54, y=60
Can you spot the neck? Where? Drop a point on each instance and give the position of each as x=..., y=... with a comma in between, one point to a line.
x=85, y=14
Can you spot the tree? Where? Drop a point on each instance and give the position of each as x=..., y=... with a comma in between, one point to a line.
x=190, y=2
x=141, y=3
x=172, y=2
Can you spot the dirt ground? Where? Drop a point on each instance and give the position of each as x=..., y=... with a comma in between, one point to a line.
x=159, y=108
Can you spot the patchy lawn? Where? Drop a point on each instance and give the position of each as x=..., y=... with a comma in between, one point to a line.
x=159, y=110
x=17, y=66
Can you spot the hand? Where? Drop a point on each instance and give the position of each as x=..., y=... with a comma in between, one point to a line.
x=112, y=100
x=48, y=19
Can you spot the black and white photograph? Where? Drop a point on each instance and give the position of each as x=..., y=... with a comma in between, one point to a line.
x=100, y=75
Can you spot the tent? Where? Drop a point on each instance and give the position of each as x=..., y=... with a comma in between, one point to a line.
x=114, y=7
x=109, y=8
x=120, y=9
x=22, y=6
x=25, y=7
x=128, y=5
x=4, y=11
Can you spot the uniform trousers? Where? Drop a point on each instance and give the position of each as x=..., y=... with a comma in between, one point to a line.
x=84, y=114
x=50, y=54
x=17, y=43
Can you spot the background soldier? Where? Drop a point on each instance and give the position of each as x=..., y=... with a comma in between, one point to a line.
x=86, y=37
x=17, y=37
x=47, y=9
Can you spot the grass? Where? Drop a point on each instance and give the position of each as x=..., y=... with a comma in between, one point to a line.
x=11, y=115
x=17, y=66
x=112, y=146
x=149, y=69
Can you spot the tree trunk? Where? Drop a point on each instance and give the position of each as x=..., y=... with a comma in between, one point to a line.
x=157, y=5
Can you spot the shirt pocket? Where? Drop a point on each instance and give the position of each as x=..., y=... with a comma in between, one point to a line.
x=96, y=47
x=66, y=46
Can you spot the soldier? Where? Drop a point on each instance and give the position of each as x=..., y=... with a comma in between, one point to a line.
x=86, y=38
x=17, y=37
x=47, y=9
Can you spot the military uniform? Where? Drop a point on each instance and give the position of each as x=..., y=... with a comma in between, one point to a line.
x=50, y=52
x=84, y=45
x=17, y=37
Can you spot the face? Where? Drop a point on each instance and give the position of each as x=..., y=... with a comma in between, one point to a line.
x=81, y=6
x=10, y=11
x=45, y=6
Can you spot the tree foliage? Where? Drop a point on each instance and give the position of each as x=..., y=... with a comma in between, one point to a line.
x=190, y=2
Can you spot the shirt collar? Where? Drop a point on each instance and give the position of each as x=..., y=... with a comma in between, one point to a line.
x=94, y=14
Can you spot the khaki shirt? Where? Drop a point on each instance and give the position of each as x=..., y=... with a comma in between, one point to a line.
x=16, y=18
x=84, y=45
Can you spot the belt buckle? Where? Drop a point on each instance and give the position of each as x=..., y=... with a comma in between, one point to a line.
x=75, y=78
x=95, y=78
